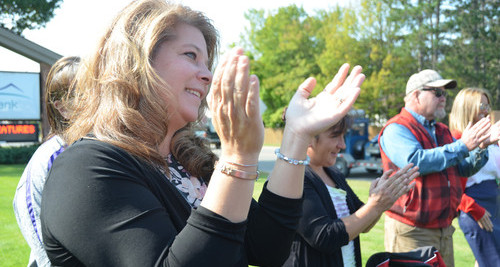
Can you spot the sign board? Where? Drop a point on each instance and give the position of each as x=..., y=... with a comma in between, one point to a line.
x=19, y=96
x=19, y=132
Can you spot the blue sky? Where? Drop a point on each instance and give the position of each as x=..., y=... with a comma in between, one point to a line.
x=78, y=24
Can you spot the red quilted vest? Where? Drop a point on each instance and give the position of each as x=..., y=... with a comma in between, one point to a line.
x=433, y=202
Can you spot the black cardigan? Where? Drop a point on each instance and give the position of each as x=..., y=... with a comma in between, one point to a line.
x=321, y=234
x=101, y=206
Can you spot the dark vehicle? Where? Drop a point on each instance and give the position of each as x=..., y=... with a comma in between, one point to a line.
x=373, y=164
x=208, y=132
x=360, y=151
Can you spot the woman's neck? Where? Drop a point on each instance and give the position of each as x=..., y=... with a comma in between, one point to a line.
x=317, y=168
x=320, y=171
x=164, y=147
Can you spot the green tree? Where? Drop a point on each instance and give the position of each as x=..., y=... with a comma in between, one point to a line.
x=424, y=29
x=390, y=39
x=18, y=15
x=472, y=52
x=282, y=50
x=338, y=36
x=389, y=62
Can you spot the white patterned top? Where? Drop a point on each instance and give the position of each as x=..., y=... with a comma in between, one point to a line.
x=339, y=201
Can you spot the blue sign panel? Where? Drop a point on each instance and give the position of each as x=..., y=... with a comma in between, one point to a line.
x=19, y=96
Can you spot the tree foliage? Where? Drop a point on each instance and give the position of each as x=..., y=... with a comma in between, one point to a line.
x=472, y=54
x=283, y=56
x=390, y=39
x=18, y=15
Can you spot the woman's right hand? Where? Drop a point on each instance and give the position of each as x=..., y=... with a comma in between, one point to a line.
x=384, y=191
x=234, y=102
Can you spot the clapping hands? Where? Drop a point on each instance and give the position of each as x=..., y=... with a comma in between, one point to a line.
x=474, y=135
x=494, y=135
x=310, y=116
x=234, y=102
x=384, y=191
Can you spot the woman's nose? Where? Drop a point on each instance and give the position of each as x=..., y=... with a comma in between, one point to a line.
x=342, y=143
x=205, y=75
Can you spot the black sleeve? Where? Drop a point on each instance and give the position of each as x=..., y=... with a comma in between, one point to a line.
x=100, y=207
x=272, y=224
x=317, y=227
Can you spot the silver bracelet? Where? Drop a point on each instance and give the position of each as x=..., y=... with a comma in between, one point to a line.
x=236, y=173
x=292, y=161
x=242, y=165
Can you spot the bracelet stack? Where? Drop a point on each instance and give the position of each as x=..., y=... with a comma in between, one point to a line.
x=225, y=168
x=290, y=160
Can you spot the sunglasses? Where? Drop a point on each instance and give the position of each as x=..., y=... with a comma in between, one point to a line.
x=438, y=92
x=484, y=107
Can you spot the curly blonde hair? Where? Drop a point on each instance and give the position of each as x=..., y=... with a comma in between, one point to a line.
x=118, y=98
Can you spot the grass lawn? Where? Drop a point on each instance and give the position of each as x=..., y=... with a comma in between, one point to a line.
x=373, y=241
x=15, y=252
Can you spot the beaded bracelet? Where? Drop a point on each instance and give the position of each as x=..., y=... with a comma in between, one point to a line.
x=236, y=173
x=292, y=161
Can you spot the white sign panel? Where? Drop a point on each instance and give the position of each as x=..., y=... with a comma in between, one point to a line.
x=19, y=96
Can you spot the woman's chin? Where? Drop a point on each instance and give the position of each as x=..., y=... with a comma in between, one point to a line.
x=331, y=162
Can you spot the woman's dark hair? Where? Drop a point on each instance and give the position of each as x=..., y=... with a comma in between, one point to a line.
x=193, y=153
x=340, y=127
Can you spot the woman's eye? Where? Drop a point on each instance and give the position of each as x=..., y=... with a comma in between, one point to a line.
x=192, y=55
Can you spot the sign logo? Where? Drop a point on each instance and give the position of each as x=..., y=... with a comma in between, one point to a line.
x=3, y=90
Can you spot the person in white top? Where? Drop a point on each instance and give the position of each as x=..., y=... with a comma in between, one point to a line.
x=333, y=216
x=479, y=216
x=28, y=195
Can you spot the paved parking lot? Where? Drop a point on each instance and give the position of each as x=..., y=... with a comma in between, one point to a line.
x=267, y=159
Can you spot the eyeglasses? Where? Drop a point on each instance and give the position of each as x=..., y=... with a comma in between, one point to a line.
x=484, y=107
x=438, y=92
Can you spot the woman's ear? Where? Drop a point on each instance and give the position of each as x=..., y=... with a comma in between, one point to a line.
x=313, y=142
x=61, y=108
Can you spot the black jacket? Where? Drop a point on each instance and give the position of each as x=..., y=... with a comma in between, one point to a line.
x=321, y=234
x=101, y=206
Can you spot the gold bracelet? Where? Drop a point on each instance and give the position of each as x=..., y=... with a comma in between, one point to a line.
x=236, y=173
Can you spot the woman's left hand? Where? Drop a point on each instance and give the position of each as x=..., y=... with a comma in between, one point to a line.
x=310, y=116
x=234, y=102
x=495, y=133
x=485, y=222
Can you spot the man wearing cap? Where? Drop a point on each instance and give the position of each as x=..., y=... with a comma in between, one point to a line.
x=423, y=216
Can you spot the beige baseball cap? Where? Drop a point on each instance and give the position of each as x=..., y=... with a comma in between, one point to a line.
x=428, y=78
